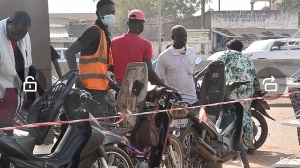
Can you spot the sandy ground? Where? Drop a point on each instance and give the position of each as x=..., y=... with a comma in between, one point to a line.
x=281, y=143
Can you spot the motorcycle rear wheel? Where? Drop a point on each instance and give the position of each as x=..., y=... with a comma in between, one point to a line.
x=123, y=160
x=264, y=129
x=191, y=158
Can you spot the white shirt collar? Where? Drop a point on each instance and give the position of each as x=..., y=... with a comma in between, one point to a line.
x=176, y=53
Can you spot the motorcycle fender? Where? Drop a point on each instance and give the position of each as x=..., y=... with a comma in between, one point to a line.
x=112, y=138
x=182, y=131
x=265, y=113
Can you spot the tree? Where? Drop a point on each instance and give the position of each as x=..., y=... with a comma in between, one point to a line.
x=290, y=4
x=176, y=8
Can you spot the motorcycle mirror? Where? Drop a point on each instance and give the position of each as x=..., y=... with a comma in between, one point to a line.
x=198, y=60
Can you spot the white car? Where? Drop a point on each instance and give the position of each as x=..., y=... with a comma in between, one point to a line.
x=284, y=48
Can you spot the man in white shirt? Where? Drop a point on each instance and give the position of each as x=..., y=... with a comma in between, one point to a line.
x=177, y=64
x=15, y=60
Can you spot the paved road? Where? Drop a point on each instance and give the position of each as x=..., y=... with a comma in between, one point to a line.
x=282, y=140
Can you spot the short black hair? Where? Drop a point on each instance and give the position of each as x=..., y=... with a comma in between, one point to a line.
x=21, y=17
x=177, y=28
x=235, y=44
x=102, y=3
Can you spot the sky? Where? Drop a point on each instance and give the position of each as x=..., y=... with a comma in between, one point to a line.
x=88, y=6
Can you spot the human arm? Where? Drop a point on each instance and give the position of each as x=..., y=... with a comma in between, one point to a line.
x=256, y=84
x=153, y=77
x=112, y=84
x=87, y=38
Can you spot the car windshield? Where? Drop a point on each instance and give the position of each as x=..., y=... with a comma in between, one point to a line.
x=215, y=56
x=259, y=45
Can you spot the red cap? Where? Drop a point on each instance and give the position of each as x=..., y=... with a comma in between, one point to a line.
x=136, y=15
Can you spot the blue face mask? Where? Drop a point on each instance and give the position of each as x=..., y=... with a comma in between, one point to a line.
x=109, y=20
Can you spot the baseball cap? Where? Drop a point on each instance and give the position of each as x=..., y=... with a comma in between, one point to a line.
x=136, y=15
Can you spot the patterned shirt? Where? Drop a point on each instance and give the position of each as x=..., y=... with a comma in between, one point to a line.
x=241, y=68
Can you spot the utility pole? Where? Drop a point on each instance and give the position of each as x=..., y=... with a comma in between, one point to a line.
x=219, y=5
x=202, y=14
x=159, y=27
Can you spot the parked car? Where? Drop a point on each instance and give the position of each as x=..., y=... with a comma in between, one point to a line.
x=284, y=48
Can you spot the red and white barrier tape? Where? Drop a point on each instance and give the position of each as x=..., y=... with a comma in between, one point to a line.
x=123, y=116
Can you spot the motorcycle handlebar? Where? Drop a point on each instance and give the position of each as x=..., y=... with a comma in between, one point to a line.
x=178, y=95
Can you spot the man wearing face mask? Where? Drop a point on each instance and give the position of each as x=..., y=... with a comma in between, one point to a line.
x=95, y=58
x=130, y=47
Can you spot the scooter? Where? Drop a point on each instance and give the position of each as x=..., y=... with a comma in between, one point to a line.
x=217, y=139
x=79, y=144
x=258, y=111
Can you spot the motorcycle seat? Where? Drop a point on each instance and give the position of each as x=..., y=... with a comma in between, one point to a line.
x=13, y=147
x=28, y=143
x=133, y=91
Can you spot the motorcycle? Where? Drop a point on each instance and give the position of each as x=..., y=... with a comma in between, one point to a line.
x=205, y=141
x=141, y=156
x=258, y=112
x=79, y=144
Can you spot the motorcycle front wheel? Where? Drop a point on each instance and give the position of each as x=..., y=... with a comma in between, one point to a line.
x=117, y=157
x=174, y=156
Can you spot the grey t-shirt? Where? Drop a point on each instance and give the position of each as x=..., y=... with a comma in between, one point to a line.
x=178, y=71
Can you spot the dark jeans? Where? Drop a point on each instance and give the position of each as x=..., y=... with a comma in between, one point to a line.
x=97, y=110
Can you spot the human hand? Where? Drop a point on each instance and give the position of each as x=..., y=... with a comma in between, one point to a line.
x=171, y=88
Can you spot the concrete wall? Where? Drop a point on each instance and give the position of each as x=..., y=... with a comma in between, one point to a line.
x=276, y=19
x=39, y=31
x=193, y=22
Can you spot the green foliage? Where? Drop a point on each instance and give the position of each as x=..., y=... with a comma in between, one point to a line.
x=290, y=4
x=176, y=8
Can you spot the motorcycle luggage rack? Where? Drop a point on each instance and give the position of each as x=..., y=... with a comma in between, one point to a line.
x=47, y=107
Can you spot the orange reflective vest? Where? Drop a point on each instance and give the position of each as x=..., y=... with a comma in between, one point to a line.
x=93, y=68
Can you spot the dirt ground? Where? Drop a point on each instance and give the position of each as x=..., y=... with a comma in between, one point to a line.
x=281, y=143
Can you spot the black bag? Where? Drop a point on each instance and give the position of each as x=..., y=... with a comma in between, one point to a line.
x=146, y=134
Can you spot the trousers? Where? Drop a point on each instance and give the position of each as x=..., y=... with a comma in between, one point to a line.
x=100, y=109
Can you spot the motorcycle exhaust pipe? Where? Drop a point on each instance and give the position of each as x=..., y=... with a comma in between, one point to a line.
x=206, y=151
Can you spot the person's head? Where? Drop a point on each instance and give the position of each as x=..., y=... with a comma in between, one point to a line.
x=179, y=36
x=235, y=45
x=18, y=25
x=106, y=12
x=136, y=21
